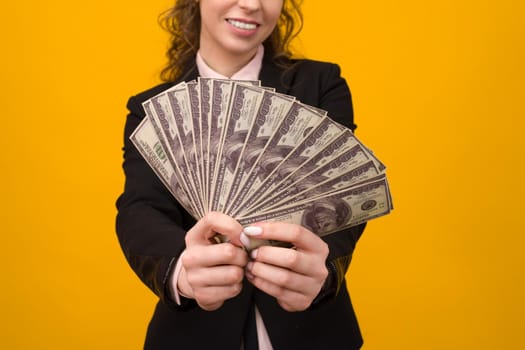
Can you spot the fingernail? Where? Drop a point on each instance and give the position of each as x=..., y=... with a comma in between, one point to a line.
x=253, y=230
x=249, y=266
x=245, y=240
x=253, y=254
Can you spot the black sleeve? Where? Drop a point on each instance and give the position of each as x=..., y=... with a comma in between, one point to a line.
x=151, y=224
x=336, y=99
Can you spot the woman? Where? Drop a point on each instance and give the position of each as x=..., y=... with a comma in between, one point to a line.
x=217, y=294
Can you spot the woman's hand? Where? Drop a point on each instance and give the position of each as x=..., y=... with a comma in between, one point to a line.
x=294, y=276
x=212, y=273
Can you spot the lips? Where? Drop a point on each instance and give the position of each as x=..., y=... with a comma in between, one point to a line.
x=242, y=24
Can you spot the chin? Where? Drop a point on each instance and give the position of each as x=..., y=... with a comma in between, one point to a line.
x=239, y=47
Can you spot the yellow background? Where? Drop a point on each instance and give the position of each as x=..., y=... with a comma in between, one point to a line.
x=438, y=93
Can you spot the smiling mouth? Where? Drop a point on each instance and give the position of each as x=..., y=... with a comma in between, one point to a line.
x=242, y=25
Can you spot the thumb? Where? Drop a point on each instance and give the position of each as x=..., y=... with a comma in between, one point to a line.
x=215, y=227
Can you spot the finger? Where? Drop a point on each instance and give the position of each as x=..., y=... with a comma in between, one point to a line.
x=283, y=277
x=215, y=276
x=211, y=224
x=290, y=300
x=213, y=255
x=297, y=235
x=310, y=261
x=212, y=298
x=291, y=259
x=312, y=265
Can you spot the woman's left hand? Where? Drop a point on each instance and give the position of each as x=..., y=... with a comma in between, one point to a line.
x=294, y=276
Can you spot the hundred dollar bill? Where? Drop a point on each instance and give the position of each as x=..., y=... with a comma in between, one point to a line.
x=334, y=212
x=195, y=109
x=296, y=125
x=159, y=109
x=147, y=142
x=324, y=181
x=244, y=103
x=312, y=171
x=221, y=91
x=316, y=140
x=179, y=102
x=205, y=86
x=272, y=109
x=221, y=96
x=344, y=142
x=206, y=102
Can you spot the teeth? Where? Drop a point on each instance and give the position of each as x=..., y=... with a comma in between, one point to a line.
x=242, y=25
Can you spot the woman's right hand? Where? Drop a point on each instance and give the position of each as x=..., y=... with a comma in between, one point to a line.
x=212, y=273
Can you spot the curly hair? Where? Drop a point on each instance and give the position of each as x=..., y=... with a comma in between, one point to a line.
x=183, y=22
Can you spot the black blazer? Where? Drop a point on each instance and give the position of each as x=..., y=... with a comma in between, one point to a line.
x=151, y=226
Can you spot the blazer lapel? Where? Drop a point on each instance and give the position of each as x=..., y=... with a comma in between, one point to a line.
x=272, y=75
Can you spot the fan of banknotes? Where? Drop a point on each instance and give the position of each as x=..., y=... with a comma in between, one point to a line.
x=258, y=155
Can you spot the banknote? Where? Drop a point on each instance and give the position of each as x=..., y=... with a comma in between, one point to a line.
x=272, y=109
x=244, y=103
x=148, y=144
x=317, y=139
x=205, y=86
x=333, y=212
x=338, y=174
x=159, y=110
x=311, y=171
x=221, y=90
x=195, y=111
x=220, y=113
x=168, y=137
x=343, y=142
x=206, y=104
x=179, y=102
x=294, y=127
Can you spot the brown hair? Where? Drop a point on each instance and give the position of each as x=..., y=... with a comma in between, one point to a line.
x=183, y=23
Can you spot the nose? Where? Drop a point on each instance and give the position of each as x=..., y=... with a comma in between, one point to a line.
x=250, y=5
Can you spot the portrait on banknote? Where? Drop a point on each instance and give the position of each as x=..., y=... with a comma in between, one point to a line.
x=326, y=215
